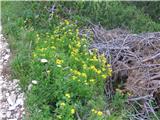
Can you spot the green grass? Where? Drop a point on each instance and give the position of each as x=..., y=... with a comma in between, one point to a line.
x=63, y=90
x=112, y=15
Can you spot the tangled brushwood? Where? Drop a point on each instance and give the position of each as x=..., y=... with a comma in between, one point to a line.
x=135, y=60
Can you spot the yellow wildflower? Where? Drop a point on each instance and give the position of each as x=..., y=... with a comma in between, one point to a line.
x=59, y=62
x=99, y=113
x=109, y=72
x=84, y=75
x=93, y=68
x=67, y=95
x=74, y=51
x=84, y=66
x=66, y=22
x=103, y=76
x=98, y=71
x=72, y=111
x=92, y=80
x=103, y=59
x=78, y=44
x=94, y=57
x=34, y=55
x=108, y=65
x=103, y=69
x=74, y=77
x=77, y=30
x=76, y=72
x=62, y=104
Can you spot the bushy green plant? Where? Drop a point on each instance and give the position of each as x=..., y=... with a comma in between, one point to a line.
x=70, y=79
x=151, y=8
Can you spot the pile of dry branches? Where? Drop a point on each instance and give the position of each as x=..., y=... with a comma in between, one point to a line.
x=135, y=60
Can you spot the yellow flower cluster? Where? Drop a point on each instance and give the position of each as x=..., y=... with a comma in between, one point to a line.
x=72, y=111
x=102, y=58
x=62, y=104
x=99, y=113
x=78, y=44
x=76, y=72
x=109, y=70
x=74, y=77
x=95, y=69
x=42, y=49
x=103, y=76
x=94, y=59
x=84, y=75
x=68, y=95
x=59, y=62
x=66, y=22
x=74, y=52
x=92, y=80
x=84, y=66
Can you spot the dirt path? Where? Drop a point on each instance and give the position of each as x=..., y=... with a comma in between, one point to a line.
x=11, y=97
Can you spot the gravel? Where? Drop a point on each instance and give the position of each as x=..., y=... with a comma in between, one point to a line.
x=11, y=96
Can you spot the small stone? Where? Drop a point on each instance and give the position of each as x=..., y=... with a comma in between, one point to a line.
x=108, y=112
x=34, y=82
x=6, y=57
x=11, y=99
x=29, y=87
x=1, y=115
x=1, y=68
x=13, y=107
x=8, y=114
x=15, y=80
x=1, y=61
x=59, y=66
x=7, y=94
x=44, y=60
x=19, y=102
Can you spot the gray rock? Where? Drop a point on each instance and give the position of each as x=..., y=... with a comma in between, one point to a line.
x=12, y=99
x=6, y=57
x=8, y=114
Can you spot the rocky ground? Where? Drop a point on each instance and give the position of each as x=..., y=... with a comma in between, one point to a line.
x=11, y=97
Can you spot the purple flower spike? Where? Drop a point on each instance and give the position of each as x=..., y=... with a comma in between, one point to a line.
x=53, y=8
